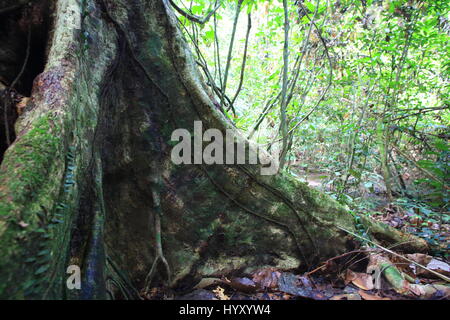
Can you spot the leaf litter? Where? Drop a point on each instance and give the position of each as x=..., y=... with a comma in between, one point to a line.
x=370, y=274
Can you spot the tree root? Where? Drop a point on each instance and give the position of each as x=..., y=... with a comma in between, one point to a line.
x=155, y=194
x=158, y=248
x=268, y=219
x=118, y=279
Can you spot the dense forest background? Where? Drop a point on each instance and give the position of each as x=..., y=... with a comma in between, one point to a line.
x=351, y=96
x=364, y=104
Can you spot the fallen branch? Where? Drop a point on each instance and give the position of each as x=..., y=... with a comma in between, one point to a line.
x=437, y=274
x=334, y=258
x=158, y=248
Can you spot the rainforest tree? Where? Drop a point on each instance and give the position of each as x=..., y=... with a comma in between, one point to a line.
x=91, y=93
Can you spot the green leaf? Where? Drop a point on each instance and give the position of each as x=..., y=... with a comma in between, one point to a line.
x=42, y=269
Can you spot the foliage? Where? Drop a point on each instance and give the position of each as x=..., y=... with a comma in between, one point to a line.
x=381, y=128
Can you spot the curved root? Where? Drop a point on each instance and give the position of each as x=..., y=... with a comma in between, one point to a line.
x=159, y=251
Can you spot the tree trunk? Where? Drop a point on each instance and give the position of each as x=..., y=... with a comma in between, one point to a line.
x=89, y=178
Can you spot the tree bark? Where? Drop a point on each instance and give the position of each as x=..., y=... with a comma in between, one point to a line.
x=89, y=177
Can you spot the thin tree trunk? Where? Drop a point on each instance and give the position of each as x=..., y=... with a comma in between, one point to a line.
x=284, y=98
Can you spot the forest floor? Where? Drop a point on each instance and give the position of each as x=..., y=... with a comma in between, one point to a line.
x=366, y=274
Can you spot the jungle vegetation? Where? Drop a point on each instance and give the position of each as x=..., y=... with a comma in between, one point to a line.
x=352, y=94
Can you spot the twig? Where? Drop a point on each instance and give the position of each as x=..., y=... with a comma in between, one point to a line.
x=284, y=88
x=270, y=104
x=303, y=53
x=230, y=51
x=158, y=248
x=334, y=258
x=441, y=276
x=217, y=53
x=330, y=79
x=13, y=84
x=194, y=18
x=422, y=111
x=155, y=194
x=244, y=59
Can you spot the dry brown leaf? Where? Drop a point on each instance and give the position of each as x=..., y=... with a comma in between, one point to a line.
x=361, y=280
x=21, y=105
x=421, y=258
x=368, y=296
x=267, y=278
x=431, y=263
x=349, y=276
x=439, y=266
x=243, y=285
x=417, y=290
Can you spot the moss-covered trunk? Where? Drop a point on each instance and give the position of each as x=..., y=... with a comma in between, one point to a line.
x=89, y=175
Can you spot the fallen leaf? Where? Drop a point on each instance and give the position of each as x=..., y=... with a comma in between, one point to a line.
x=420, y=258
x=289, y=283
x=361, y=280
x=350, y=289
x=439, y=266
x=242, y=284
x=305, y=281
x=368, y=296
x=267, y=278
x=349, y=276
x=417, y=290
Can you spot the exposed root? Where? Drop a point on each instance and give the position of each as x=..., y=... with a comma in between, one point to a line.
x=155, y=194
x=268, y=219
x=158, y=248
x=118, y=279
x=324, y=264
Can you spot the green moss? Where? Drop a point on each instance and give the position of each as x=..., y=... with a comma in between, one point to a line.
x=32, y=174
x=154, y=45
x=31, y=160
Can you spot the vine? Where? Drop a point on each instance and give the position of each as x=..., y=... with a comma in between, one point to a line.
x=155, y=193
